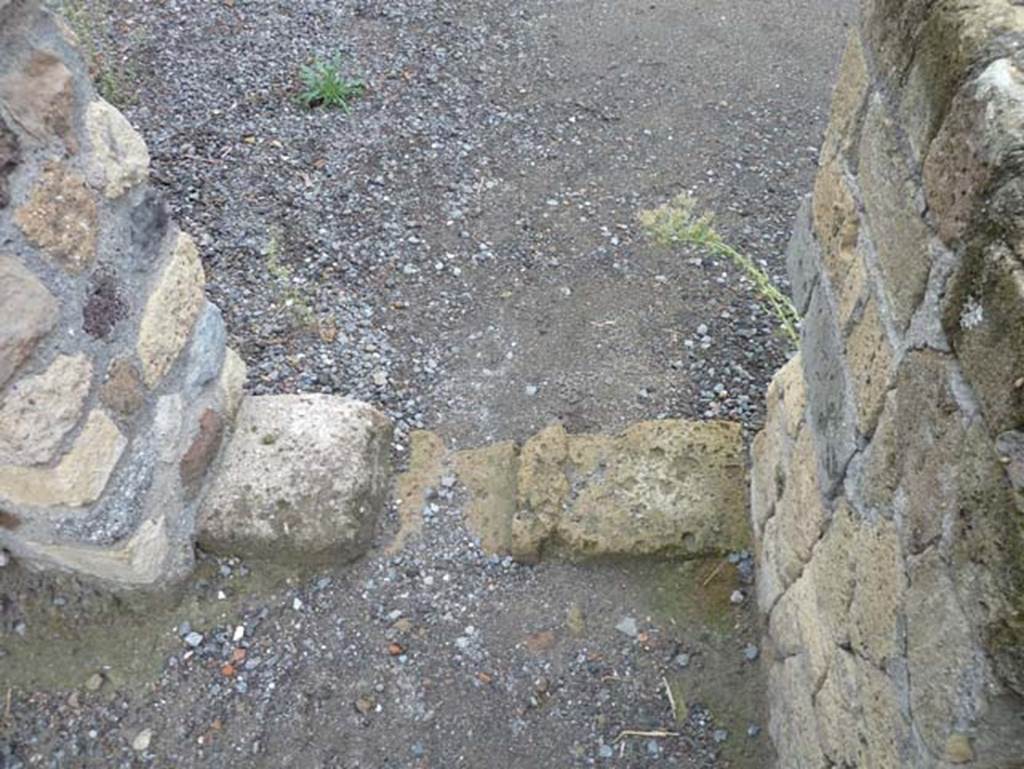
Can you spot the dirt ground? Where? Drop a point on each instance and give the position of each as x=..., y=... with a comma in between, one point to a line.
x=461, y=250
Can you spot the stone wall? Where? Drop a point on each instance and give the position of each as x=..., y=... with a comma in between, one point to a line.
x=115, y=382
x=888, y=483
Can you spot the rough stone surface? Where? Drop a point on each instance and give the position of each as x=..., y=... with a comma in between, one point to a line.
x=100, y=297
x=78, y=479
x=171, y=311
x=122, y=391
x=37, y=411
x=891, y=205
x=28, y=311
x=40, y=96
x=60, y=218
x=894, y=593
x=659, y=488
x=304, y=477
x=118, y=158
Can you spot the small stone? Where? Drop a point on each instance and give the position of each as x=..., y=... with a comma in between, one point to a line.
x=171, y=311
x=365, y=705
x=751, y=652
x=297, y=604
x=38, y=411
x=142, y=740
x=958, y=749
x=94, y=682
x=122, y=390
x=682, y=660
x=28, y=312
x=737, y=597
x=653, y=748
x=605, y=751
x=193, y=639
x=532, y=390
x=753, y=730
x=80, y=476
x=239, y=633
x=60, y=218
x=40, y=97
x=201, y=453
x=721, y=735
x=206, y=355
x=118, y=159
x=628, y=626
x=4, y=558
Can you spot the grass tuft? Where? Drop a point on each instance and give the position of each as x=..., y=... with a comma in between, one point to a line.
x=680, y=223
x=324, y=85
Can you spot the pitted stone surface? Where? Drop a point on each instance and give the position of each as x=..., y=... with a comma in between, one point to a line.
x=60, y=218
x=28, y=312
x=171, y=311
x=303, y=478
x=118, y=157
x=122, y=391
x=37, y=411
x=659, y=488
x=78, y=479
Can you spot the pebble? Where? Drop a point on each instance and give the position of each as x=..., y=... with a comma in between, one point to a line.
x=193, y=639
x=682, y=660
x=751, y=652
x=721, y=735
x=142, y=740
x=753, y=730
x=627, y=626
x=95, y=682
x=4, y=558
x=737, y=597
x=605, y=751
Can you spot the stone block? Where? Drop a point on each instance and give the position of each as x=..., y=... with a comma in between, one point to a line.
x=956, y=39
x=946, y=668
x=879, y=587
x=792, y=723
x=894, y=213
x=830, y=413
x=986, y=323
x=869, y=357
x=800, y=512
x=37, y=411
x=78, y=479
x=803, y=257
x=140, y=561
x=304, y=478
x=231, y=383
x=59, y=217
x=28, y=312
x=847, y=100
x=668, y=488
x=798, y=630
x=837, y=711
x=118, y=159
x=836, y=219
x=171, y=311
x=981, y=136
x=206, y=355
x=39, y=95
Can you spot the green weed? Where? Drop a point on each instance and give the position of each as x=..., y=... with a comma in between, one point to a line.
x=679, y=223
x=324, y=85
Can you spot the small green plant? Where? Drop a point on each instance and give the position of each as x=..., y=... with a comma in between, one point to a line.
x=679, y=223
x=324, y=85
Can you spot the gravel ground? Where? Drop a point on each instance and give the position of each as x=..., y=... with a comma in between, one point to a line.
x=461, y=250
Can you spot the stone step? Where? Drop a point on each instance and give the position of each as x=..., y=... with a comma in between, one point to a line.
x=670, y=488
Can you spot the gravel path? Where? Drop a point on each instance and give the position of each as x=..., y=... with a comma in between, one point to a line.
x=461, y=250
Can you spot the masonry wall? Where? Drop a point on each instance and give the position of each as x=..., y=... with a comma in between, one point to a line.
x=115, y=383
x=888, y=482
